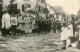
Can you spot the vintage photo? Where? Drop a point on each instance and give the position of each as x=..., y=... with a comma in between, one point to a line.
x=39, y=25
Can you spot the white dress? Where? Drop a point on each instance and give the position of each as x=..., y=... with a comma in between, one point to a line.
x=70, y=32
x=6, y=21
x=64, y=35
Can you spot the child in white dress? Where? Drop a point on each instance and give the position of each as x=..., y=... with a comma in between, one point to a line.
x=64, y=35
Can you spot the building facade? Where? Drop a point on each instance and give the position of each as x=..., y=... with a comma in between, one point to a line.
x=58, y=12
x=25, y=5
x=37, y=5
x=41, y=8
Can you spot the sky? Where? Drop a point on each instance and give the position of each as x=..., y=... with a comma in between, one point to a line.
x=69, y=6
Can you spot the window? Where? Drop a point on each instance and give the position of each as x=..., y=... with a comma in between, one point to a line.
x=43, y=1
x=44, y=10
x=22, y=7
x=1, y=0
x=39, y=9
x=0, y=8
x=12, y=1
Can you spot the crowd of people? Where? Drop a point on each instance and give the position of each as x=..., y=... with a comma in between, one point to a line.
x=57, y=26
x=17, y=24
x=46, y=25
x=14, y=24
x=43, y=26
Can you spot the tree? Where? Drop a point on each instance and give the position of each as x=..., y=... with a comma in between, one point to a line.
x=13, y=9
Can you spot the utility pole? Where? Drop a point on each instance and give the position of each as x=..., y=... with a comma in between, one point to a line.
x=37, y=8
x=46, y=15
x=36, y=13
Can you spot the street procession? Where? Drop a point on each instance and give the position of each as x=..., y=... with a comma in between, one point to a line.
x=39, y=25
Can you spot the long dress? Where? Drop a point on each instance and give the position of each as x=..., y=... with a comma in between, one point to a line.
x=6, y=24
x=64, y=35
x=6, y=21
x=29, y=25
x=26, y=25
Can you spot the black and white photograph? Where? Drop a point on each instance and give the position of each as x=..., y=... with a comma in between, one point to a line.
x=39, y=25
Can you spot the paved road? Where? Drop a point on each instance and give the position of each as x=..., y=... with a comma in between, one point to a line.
x=49, y=42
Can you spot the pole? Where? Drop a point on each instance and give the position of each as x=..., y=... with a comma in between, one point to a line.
x=46, y=12
x=36, y=15
x=37, y=7
x=73, y=23
x=73, y=26
x=29, y=12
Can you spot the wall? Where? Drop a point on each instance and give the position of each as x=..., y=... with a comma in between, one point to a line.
x=41, y=5
x=33, y=5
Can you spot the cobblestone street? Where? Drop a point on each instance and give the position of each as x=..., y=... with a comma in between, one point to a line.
x=33, y=43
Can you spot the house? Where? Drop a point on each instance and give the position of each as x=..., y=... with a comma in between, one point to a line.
x=51, y=11
x=55, y=12
x=37, y=5
x=28, y=5
x=58, y=12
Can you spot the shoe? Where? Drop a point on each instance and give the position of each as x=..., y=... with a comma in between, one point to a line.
x=78, y=46
x=64, y=48
x=69, y=45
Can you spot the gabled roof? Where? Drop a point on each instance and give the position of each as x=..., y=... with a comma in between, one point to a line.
x=51, y=11
x=57, y=9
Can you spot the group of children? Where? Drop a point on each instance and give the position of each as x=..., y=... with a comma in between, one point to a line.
x=67, y=35
x=12, y=24
x=15, y=25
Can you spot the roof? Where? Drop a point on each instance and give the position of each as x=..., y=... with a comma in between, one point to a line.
x=51, y=11
x=57, y=9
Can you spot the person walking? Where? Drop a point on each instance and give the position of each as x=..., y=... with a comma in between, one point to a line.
x=6, y=23
x=64, y=35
